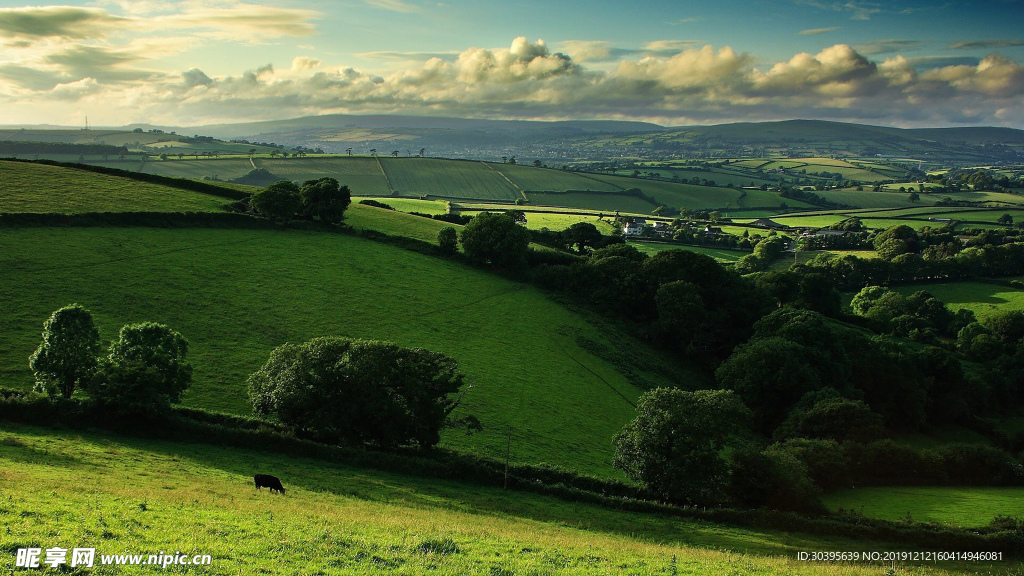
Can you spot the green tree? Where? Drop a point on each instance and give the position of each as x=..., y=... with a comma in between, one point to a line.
x=325, y=200
x=581, y=237
x=279, y=202
x=674, y=445
x=68, y=353
x=145, y=370
x=343, y=390
x=497, y=239
x=448, y=240
x=1005, y=220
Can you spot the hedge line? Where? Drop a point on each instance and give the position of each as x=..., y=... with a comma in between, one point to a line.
x=180, y=183
x=186, y=425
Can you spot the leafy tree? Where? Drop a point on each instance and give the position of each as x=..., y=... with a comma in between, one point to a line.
x=680, y=311
x=448, y=240
x=1005, y=220
x=581, y=236
x=495, y=238
x=325, y=200
x=67, y=355
x=827, y=415
x=278, y=202
x=674, y=445
x=344, y=390
x=825, y=460
x=144, y=371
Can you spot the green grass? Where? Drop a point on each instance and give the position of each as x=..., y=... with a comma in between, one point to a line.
x=549, y=179
x=129, y=496
x=28, y=187
x=415, y=177
x=237, y=294
x=362, y=175
x=394, y=222
x=603, y=201
x=984, y=298
x=720, y=254
x=220, y=168
x=967, y=506
x=413, y=205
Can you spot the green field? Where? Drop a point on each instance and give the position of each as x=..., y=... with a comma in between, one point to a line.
x=967, y=506
x=27, y=187
x=721, y=254
x=413, y=205
x=362, y=175
x=984, y=298
x=602, y=201
x=237, y=294
x=394, y=222
x=128, y=496
x=416, y=177
x=549, y=179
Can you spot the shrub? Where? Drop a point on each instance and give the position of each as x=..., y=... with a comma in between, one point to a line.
x=325, y=200
x=342, y=390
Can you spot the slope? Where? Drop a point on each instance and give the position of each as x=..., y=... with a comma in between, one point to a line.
x=237, y=294
x=28, y=187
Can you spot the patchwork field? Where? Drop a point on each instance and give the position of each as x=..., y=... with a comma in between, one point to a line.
x=720, y=254
x=128, y=496
x=237, y=294
x=447, y=178
x=27, y=187
x=549, y=179
x=362, y=175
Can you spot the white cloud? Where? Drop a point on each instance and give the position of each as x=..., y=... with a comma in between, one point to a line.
x=528, y=79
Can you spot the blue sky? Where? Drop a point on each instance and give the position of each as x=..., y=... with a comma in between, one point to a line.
x=192, y=63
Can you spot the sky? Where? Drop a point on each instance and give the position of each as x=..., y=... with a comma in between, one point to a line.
x=193, y=63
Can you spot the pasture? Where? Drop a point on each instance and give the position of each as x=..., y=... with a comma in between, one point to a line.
x=417, y=177
x=27, y=187
x=129, y=496
x=984, y=298
x=723, y=255
x=966, y=506
x=550, y=179
x=237, y=294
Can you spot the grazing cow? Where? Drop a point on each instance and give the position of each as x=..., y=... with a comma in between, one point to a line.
x=268, y=481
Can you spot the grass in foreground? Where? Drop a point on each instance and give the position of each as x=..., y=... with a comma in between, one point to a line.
x=237, y=294
x=26, y=187
x=967, y=506
x=125, y=495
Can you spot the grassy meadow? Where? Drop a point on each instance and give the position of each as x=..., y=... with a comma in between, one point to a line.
x=27, y=187
x=237, y=294
x=981, y=297
x=124, y=496
x=966, y=506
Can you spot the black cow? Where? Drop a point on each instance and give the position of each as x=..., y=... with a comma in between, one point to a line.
x=268, y=481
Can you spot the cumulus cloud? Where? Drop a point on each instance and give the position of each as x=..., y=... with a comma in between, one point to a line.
x=673, y=83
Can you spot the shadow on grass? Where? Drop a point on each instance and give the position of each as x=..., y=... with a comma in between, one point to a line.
x=300, y=474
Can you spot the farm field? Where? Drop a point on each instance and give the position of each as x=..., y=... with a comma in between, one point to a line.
x=602, y=201
x=237, y=294
x=721, y=254
x=983, y=298
x=869, y=199
x=412, y=204
x=362, y=175
x=27, y=187
x=417, y=177
x=535, y=220
x=550, y=179
x=146, y=496
x=967, y=506
x=719, y=177
x=394, y=222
